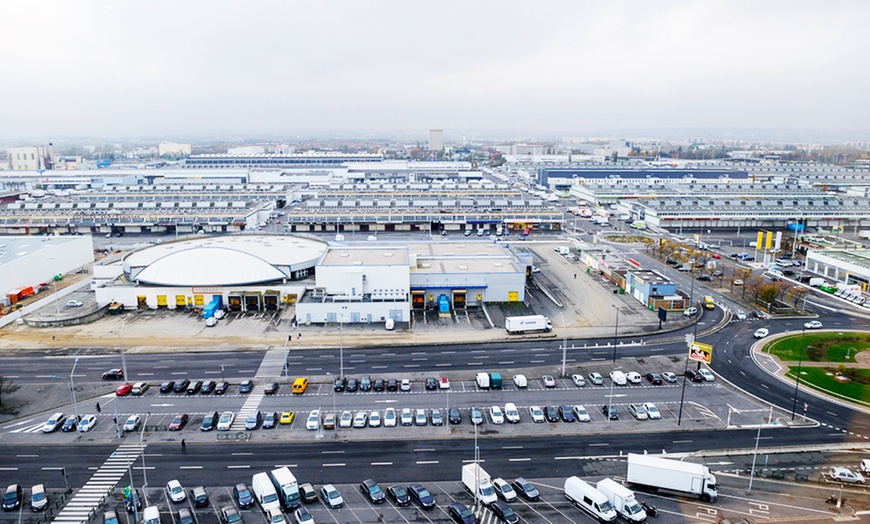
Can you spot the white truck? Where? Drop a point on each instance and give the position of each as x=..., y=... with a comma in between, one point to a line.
x=265, y=492
x=816, y=282
x=652, y=473
x=622, y=499
x=287, y=487
x=562, y=250
x=526, y=324
x=477, y=480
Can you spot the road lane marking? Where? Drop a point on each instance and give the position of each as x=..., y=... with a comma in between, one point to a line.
x=424, y=462
x=511, y=447
x=189, y=467
x=381, y=463
x=520, y=460
x=334, y=465
x=326, y=452
x=240, y=453
x=423, y=449
x=604, y=444
x=239, y=467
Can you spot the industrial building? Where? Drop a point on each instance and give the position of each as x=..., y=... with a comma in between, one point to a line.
x=28, y=265
x=848, y=266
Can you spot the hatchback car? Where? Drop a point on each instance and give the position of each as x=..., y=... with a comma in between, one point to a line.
x=596, y=379
x=230, y=515
x=360, y=419
x=444, y=383
x=399, y=495
x=254, y=420
x=226, y=421
x=459, y=512
x=194, y=387
x=420, y=417
x=244, y=497
x=504, y=490
x=221, y=387
x=654, y=378
x=178, y=422
x=520, y=381
x=12, y=497
x=303, y=516
x=313, y=422
x=690, y=312
x=379, y=385
x=139, y=388
x=339, y=384
x=431, y=384
x=331, y=497
x=405, y=385
x=372, y=491
x=504, y=512
x=308, y=493
x=124, y=390
x=669, y=377
x=652, y=411
x=707, y=374
x=637, y=411
x=578, y=380
x=548, y=381
x=271, y=388
x=476, y=416
x=175, y=491
x=566, y=413
x=207, y=387
x=421, y=496
x=525, y=488
x=694, y=376
x=436, y=418
x=496, y=415
x=392, y=385
x=167, y=386
x=114, y=374
x=199, y=497
x=132, y=423
x=181, y=386
x=352, y=385
x=185, y=516
x=71, y=423
x=365, y=383
x=87, y=423
x=454, y=416
x=287, y=417
x=537, y=414
x=246, y=386
x=551, y=413
x=813, y=324
x=610, y=412
x=580, y=413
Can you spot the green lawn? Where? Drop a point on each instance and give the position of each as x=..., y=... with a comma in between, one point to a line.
x=821, y=380
x=835, y=346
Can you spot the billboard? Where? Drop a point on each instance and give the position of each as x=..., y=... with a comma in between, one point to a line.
x=701, y=352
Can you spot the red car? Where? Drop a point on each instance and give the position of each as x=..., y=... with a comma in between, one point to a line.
x=179, y=422
x=716, y=256
x=124, y=390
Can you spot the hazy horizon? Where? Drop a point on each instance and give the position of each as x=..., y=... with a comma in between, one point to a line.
x=501, y=69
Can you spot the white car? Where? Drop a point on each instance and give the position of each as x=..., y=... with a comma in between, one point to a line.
x=761, y=333
x=54, y=422
x=444, y=383
x=813, y=324
x=707, y=374
x=313, y=422
x=580, y=413
x=537, y=414
x=618, y=377
x=637, y=411
x=389, y=417
x=520, y=381
x=405, y=385
x=331, y=496
x=495, y=413
x=345, y=420
x=511, y=413
x=375, y=419
x=845, y=475
x=73, y=303
x=303, y=516
x=226, y=421
x=652, y=411
x=504, y=490
x=87, y=423
x=360, y=419
x=596, y=379
x=741, y=315
x=634, y=377
x=738, y=282
x=175, y=491
x=865, y=466
x=692, y=311
x=407, y=418
x=132, y=423
x=669, y=377
x=578, y=380
x=548, y=381
x=420, y=417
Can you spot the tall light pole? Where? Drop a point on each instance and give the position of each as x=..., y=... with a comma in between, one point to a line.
x=54, y=281
x=615, y=331
x=341, y=340
x=72, y=388
x=120, y=335
x=610, y=401
x=564, y=343
x=144, y=471
x=797, y=380
x=754, y=456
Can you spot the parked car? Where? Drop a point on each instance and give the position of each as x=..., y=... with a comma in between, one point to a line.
x=390, y=417
x=610, y=412
x=372, y=491
x=340, y=384
x=638, y=411
x=618, y=377
x=167, y=386
x=184, y=515
x=525, y=488
x=548, y=381
x=53, y=423
x=179, y=421
x=578, y=380
x=287, y=417
x=455, y=416
x=365, y=384
x=199, y=496
x=694, y=376
x=87, y=423
x=361, y=419
x=845, y=475
x=444, y=383
x=476, y=416
x=707, y=374
x=308, y=493
x=270, y=420
x=181, y=386
x=175, y=491
x=654, y=378
x=566, y=413
x=504, y=512
x=504, y=490
x=379, y=385
x=246, y=386
x=580, y=413
x=331, y=497
x=194, y=387
x=634, y=377
x=12, y=497
x=496, y=415
x=652, y=411
x=421, y=496
x=244, y=497
x=392, y=385
x=221, y=387
x=271, y=388
x=226, y=421
x=303, y=516
x=431, y=384
x=537, y=414
x=71, y=423
x=230, y=515
x=352, y=385
x=551, y=413
x=669, y=377
x=420, y=417
x=207, y=387
x=399, y=495
x=132, y=423
x=254, y=420
x=690, y=312
x=459, y=512
x=405, y=385
x=596, y=379
x=124, y=390
x=313, y=422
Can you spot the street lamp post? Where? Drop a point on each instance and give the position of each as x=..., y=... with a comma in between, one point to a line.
x=797, y=381
x=341, y=340
x=615, y=331
x=754, y=457
x=564, y=343
x=72, y=388
x=54, y=281
x=144, y=470
x=610, y=398
x=120, y=333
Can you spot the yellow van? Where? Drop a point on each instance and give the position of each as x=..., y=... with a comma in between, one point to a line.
x=709, y=303
x=300, y=385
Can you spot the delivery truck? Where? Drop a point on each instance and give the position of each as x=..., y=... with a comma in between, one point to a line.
x=477, y=480
x=527, y=324
x=586, y=497
x=287, y=487
x=653, y=473
x=622, y=499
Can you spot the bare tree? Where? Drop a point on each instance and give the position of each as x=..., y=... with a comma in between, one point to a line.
x=7, y=386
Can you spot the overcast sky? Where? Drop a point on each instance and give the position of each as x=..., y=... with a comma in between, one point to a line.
x=85, y=68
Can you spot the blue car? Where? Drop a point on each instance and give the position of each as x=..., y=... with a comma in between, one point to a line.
x=421, y=496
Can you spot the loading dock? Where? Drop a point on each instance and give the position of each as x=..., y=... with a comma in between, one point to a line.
x=252, y=301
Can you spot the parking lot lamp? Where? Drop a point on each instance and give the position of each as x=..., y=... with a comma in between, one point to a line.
x=615, y=331
x=564, y=343
x=610, y=398
x=72, y=388
x=144, y=470
x=797, y=380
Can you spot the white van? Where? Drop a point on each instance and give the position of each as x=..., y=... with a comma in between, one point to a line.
x=151, y=515
x=589, y=499
x=520, y=381
x=265, y=492
x=483, y=380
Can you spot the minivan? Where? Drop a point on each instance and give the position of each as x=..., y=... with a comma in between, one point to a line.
x=300, y=385
x=209, y=422
x=151, y=515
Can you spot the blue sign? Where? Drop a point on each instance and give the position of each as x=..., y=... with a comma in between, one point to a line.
x=796, y=227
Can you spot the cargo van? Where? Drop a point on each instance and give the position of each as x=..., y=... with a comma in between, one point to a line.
x=495, y=380
x=151, y=515
x=482, y=380
x=589, y=499
x=300, y=385
x=265, y=492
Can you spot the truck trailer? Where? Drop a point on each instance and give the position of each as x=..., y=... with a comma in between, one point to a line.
x=527, y=324
x=652, y=473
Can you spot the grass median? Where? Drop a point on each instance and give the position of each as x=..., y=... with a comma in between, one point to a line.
x=825, y=380
x=826, y=347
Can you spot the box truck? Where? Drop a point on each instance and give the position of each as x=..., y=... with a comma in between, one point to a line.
x=265, y=492
x=653, y=473
x=589, y=499
x=495, y=380
x=477, y=480
x=622, y=499
x=816, y=282
x=526, y=324
x=287, y=487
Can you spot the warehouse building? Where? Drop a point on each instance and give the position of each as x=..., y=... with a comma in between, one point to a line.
x=848, y=266
x=29, y=264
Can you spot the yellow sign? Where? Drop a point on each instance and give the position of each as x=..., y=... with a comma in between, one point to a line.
x=701, y=352
x=769, y=243
x=759, y=240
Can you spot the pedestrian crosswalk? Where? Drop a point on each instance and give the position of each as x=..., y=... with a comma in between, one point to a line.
x=272, y=365
x=100, y=484
x=252, y=403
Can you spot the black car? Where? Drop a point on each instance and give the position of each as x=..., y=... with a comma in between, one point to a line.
x=372, y=491
x=380, y=384
x=454, y=416
x=71, y=423
x=365, y=384
x=270, y=420
x=703, y=278
x=114, y=374
x=209, y=421
x=167, y=386
x=221, y=387
x=525, y=488
x=133, y=499
x=230, y=515
x=185, y=516
x=431, y=384
x=421, y=496
x=614, y=414
x=339, y=384
x=271, y=388
x=246, y=386
x=694, y=376
x=460, y=513
x=199, y=496
x=654, y=378
x=243, y=495
x=194, y=387
x=12, y=497
x=254, y=420
x=181, y=386
x=352, y=385
x=392, y=385
x=551, y=413
x=207, y=387
x=504, y=512
x=399, y=495
x=566, y=413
